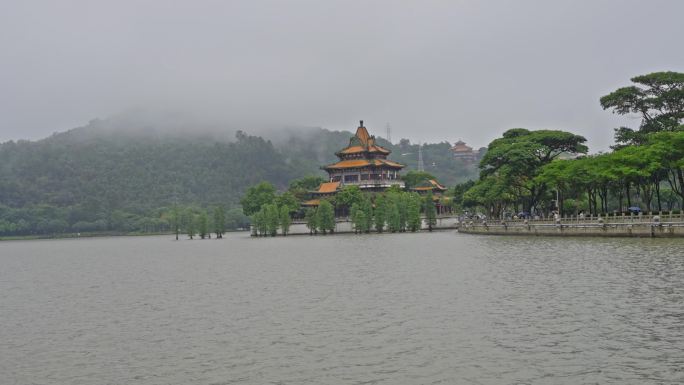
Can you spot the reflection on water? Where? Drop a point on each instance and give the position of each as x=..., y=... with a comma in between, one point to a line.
x=389, y=309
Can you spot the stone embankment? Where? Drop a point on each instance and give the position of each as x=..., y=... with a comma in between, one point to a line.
x=663, y=225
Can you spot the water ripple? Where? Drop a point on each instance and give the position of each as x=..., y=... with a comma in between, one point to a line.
x=438, y=308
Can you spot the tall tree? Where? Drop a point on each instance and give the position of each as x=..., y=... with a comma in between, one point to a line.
x=176, y=220
x=203, y=224
x=219, y=221
x=190, y=223
x=380, y=213
x=272, y=218
x=257, y=196
x=657, y=97
x=285, y=220
x=311, y=219
x=430, y=210
x=393, y=216
x=287, y=199
x=349, y=195
x=514, y=160
x=413, y=210
x=366, y=207
x=326, y=217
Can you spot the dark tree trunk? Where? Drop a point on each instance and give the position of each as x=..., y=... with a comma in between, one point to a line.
x=627, y=194
x=657, y=190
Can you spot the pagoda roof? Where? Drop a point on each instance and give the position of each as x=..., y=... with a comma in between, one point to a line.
x=328, y=187
x=362, y=141
x=370, y=148
x=460, y=146
x=356, y=163
x=430, y=184
x=312, y=202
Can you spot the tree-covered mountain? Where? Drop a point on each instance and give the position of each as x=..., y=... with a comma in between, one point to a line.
x=93, y=178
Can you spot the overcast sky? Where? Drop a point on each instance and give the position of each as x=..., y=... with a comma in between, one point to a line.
x=435, y=70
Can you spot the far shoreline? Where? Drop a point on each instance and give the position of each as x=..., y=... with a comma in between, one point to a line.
x=98, y=235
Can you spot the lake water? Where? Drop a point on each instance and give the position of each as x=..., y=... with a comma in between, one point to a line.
x=427, y=308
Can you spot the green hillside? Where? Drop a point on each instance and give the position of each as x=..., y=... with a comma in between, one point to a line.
x=88, y=179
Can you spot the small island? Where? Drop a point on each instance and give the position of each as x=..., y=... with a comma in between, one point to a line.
x=364, y=192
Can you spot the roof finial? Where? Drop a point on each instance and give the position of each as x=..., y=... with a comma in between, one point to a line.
x=360, y=123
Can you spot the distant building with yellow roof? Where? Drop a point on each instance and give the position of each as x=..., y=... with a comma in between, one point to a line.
x=362, y=163
x=464, y=152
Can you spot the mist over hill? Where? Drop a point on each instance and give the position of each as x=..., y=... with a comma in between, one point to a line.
x=117, y=168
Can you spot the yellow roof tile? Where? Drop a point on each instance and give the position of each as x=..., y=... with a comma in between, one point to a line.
x=328, y=187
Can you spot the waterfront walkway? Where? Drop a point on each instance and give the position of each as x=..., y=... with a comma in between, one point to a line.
x=660, y=225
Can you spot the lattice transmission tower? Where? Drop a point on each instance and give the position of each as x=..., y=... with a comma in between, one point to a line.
x=421, y=165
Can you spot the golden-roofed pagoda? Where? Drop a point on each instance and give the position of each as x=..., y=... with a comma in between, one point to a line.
x=362, y=163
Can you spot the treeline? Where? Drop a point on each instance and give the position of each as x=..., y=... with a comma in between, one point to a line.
x=54, y=221
x=394, y=210
x=92, y=179
x=648, y=176
x=194, y=221
x=545, y=171
x=83, y=182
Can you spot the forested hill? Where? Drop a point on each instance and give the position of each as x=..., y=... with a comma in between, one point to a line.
x=136, y=172
x=87, y=175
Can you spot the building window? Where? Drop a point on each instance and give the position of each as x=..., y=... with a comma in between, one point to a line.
x=351, y=178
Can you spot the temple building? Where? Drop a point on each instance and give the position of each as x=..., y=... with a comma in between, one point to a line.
x=464, y=152
x=362, y=163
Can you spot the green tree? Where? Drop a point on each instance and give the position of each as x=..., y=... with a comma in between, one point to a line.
x=307, y=183
x=403, y=203
x=176, y=220
x=189, y=221
x=300, y=187
x=658, y=97
x=349, y=195
x=257, y=196
x=219, y=221
x=259, y=226
x=393, y=216
x=366, y=207
x=326, y=217
x=287, y=199
x=203, y=224
x=285, y=220
x=415, y=178
x=236, y=219
x=355, y=214
x=513, y=161
x=413, y=211
x=380, y=213
x=271, y=218
x=458, y=193
x=311, y=219
x=430, y=211
x=358, y=218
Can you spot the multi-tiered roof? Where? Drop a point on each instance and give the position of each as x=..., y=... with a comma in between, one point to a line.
x=363, y=163
x=362, y=151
